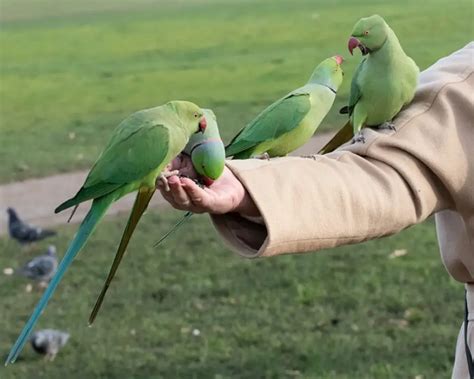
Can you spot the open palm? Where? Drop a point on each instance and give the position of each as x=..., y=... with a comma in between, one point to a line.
x=226, y=194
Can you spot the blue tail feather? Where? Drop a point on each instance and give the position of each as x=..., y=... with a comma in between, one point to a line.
x=98, y=209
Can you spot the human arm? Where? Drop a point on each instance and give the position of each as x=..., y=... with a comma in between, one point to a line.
x=365, y=191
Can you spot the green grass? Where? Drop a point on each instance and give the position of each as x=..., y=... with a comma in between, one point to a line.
x=71, y=70
x=348, y=313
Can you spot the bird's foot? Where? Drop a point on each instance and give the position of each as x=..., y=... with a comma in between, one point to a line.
x=49, y=357
x=195, y=180
x=264, y=156
x=164, y=178
x=358, y=138
x=312, y=156
x=387, y=125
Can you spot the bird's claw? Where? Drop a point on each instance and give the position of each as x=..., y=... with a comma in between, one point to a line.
x=264, y=156
x=358, y=138
x=197, y=181
x=164, y=178
x=387, y=125
x=312, y=156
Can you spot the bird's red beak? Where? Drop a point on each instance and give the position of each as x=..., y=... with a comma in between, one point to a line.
x=339, y=59
x=202, y=124
x=207, y=181
x=352, y=44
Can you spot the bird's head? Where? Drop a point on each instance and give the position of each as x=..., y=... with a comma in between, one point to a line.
x=191, y=115
x=329, y=73
x=369, y=34
x=12, y=214
x=208, y=160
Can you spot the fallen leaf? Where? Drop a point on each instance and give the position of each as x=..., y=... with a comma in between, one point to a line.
x=398, y=253
x=8, y=271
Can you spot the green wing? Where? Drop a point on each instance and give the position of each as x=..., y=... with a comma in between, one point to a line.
x=355, y=94
x=279, y=118
x=134, y=151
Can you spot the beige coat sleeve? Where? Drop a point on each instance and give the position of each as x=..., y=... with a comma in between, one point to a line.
x=372, y=189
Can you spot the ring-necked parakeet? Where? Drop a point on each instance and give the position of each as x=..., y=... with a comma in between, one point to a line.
x=287, y=123
x=292, y=120
x=383, y=83
x=207, y=150
x=208, y=157
x=140, y=148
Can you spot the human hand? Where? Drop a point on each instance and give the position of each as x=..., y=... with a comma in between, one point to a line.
x=226, y=194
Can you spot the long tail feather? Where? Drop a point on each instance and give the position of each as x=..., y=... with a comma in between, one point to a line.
x=141, y=203
x=72, y=213
x=174, y=228
x=98, y=209
x=341, y=137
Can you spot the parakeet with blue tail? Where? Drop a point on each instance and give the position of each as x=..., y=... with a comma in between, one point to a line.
x=140, y=148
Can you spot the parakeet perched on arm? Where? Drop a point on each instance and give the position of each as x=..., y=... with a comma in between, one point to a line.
x=208, y=157
x=140, y=148
x=286, y=124
x=383, y=83
x=291, y=121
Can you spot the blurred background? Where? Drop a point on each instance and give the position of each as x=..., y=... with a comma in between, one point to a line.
x=71, y=70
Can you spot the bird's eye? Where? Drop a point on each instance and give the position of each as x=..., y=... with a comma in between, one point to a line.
x=366, y=32
x=196, y=115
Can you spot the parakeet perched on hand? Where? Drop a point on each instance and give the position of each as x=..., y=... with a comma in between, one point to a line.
x=286, y=124
x=207, y=150
x=140, y=148
x=208, y=157
x=383, y=83
x=292, y=120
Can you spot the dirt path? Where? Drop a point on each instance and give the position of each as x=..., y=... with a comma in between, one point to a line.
x=35, y=199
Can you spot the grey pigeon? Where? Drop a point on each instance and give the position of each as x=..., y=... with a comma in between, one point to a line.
x=48, y=342
x=23, y=232
x=41, y=268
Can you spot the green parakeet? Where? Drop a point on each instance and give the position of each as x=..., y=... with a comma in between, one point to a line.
x=207, y=150
x=288, y=123
x=383, y=83
x=292, y=120
x=208, y=157
x=140, y=148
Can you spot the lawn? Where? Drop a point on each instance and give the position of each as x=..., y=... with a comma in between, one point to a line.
x=71, y=70
x=349, y=313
